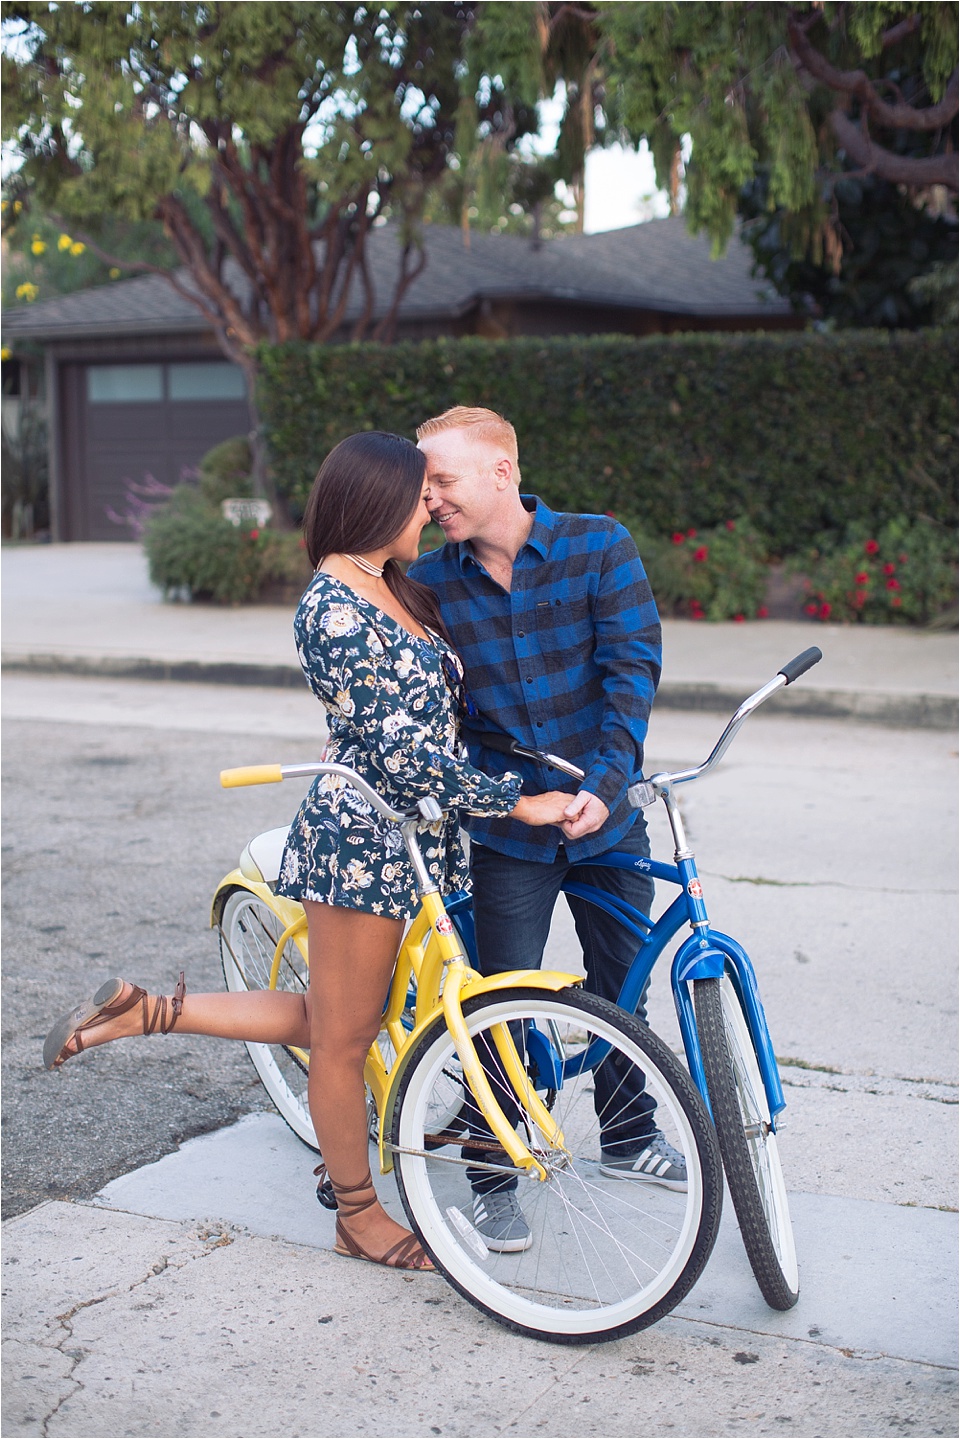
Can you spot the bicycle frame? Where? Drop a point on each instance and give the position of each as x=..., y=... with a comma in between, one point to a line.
x=707, y=953
x=433, y=958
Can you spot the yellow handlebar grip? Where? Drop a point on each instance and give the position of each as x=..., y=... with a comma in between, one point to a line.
x=251, y=774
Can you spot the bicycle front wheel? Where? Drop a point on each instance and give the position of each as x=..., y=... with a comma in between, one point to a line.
x=249, y=935
x=748, y=1143
x=608, y=1255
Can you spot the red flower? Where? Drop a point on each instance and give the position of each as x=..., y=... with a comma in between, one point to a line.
x=810, y=609
x=889, y=569
x=738, y=619
x=254, y=534
x=859, y=598
x=896, y=601
x=700, y=554
x=871, y=547
x=825, y=609
x=893, y=584
x=902, y=559
x=609, y=514
x=762, y=612
x=862, y=578
x=678, y=538
x=731, y=525
x=691, y=534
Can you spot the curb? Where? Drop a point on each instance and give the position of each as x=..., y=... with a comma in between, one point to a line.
x=901, y=711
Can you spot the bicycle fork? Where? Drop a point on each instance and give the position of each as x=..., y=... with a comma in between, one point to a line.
x=707, y=954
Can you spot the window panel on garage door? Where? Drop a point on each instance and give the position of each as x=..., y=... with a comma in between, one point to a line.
x=151, y=419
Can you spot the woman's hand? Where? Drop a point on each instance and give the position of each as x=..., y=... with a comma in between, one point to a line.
x=539, y=809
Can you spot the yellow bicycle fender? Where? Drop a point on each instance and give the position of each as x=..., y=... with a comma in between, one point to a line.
x=288, y=911
x=473, y=983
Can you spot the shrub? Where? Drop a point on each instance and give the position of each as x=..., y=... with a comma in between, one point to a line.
x=715, y=574
x=191, y=547
x=902, y=573
x=798, y=433
x=225, y=471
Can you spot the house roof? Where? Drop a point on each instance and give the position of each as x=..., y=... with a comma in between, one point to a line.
x=655, y=266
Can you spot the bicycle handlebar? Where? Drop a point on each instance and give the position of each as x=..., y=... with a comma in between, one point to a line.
x=640, y=794
x=657, y=784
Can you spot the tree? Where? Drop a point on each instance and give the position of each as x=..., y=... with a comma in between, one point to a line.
x=801, y=94
x=267, y=139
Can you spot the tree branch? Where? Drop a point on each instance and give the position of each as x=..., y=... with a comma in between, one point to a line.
x=859, y=84
x=899, y=169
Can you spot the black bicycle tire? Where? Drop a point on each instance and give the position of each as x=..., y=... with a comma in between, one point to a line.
x=687, y=1097
x=720, y=1071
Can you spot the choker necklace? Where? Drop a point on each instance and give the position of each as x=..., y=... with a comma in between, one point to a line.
x=365, y=565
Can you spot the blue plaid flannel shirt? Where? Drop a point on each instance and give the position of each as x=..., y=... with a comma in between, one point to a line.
x=567, y=662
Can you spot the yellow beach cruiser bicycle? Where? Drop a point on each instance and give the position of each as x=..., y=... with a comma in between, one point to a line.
x=608, y=1255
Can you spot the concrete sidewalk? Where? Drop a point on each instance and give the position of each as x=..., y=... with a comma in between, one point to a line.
x=90, y=609
x=198, y=1296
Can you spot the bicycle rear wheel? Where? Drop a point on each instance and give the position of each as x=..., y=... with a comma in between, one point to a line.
x=249, y=935
x=748, y=1143
x=608, y=1255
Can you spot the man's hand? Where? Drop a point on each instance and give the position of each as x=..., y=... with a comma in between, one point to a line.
x=585, y=814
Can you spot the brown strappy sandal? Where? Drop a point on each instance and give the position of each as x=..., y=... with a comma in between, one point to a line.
x=407, y=1253
x=101, y=1009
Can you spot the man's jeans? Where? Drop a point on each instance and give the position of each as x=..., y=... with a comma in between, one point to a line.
x=513, y=903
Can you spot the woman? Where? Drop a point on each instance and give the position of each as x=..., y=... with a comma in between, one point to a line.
x=373, y=649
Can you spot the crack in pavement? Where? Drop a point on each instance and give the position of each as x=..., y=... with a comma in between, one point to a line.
x=213, y=1239
x=759, y=879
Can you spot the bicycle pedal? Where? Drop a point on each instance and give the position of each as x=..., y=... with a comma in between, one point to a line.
x=326, y=1195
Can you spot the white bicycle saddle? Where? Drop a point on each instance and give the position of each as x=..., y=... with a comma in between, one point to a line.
x=261, y=858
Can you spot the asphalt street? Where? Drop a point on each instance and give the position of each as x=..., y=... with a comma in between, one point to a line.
x=839, y=877
x=826, y=846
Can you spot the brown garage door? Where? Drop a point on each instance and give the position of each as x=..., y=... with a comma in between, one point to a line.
x=123, y=422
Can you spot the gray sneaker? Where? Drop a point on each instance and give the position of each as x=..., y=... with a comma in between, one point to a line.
x=658, y=1163
x=499, y=1221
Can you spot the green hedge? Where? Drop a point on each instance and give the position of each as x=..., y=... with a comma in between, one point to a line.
x=800, y=433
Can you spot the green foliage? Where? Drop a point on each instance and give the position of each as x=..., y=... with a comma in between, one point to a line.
x=191, y=548
x=904, y=572
x=763, y=90
x=225, y=471
x=43, y=254
x=268, y=135
x=715, y=574
x=895, y=262
x=25, y=495
x=797, y=433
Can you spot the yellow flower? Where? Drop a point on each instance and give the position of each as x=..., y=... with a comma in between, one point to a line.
x=27, y=292
x=3, y=206
x=64, y=242
x=77, y=248
x=114, y=273
x=37, y=246
x=4, y=353
x=17, y=206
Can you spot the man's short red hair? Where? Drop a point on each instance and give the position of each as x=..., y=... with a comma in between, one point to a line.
x=484, y=425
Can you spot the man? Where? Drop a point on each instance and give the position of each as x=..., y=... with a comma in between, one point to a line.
x=560, y=638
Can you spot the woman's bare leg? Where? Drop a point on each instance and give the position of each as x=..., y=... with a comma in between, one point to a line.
x=262, y=1016
x=352, y=955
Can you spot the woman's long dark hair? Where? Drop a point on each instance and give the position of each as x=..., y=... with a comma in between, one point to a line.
x=366, y=491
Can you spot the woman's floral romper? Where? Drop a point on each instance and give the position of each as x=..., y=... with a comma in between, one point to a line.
x=393, y=719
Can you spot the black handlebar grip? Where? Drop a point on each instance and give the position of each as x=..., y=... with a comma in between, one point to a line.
x=793, y=669
x=491, y=739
